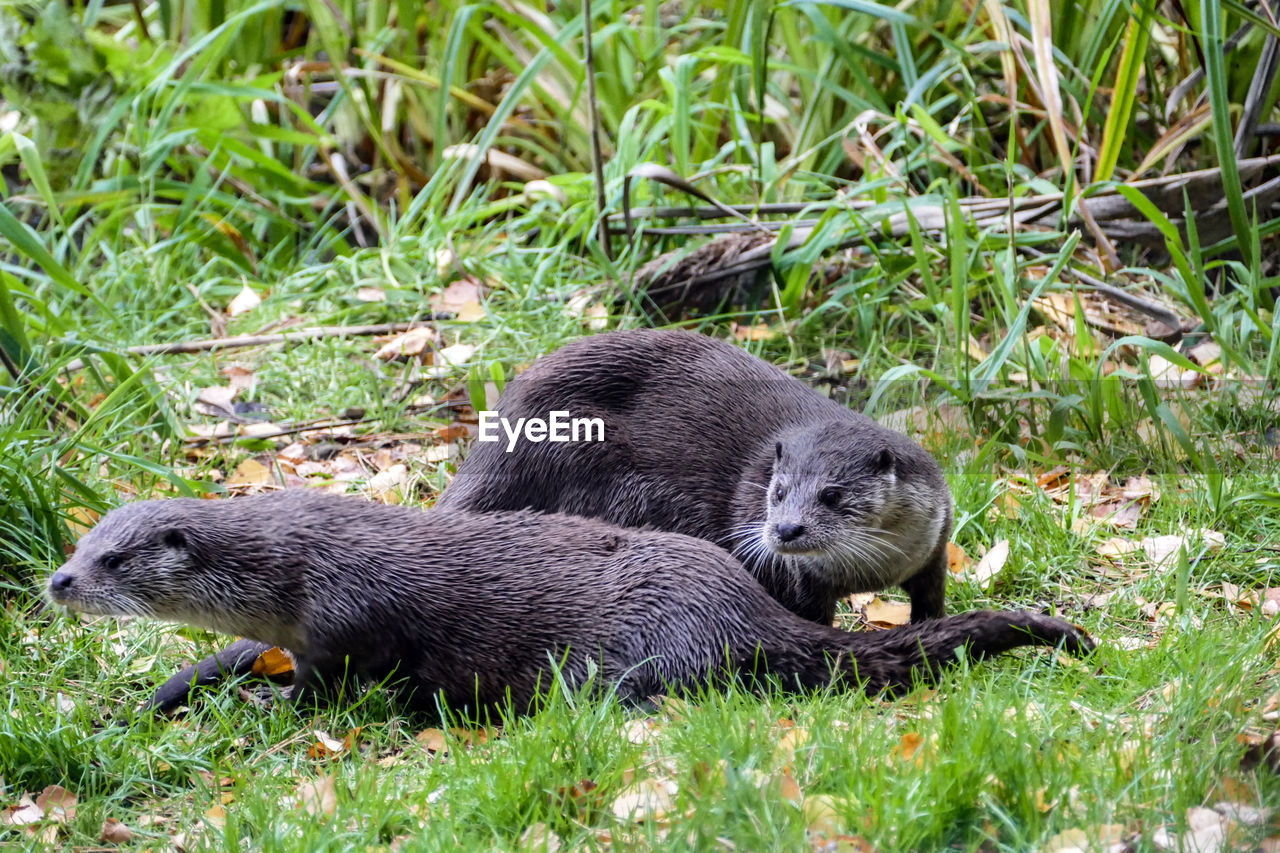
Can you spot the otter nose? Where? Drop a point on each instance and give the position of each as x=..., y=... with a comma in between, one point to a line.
x=60, y=580
x=788, y=532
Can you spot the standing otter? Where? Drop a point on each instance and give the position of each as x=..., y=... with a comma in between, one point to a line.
x=473, y=607
x=704, y=439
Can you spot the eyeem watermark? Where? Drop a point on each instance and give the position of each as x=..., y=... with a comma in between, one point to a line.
x=558, y=428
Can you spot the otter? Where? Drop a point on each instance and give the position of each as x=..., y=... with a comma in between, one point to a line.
x=474, y=608
x=705, y=439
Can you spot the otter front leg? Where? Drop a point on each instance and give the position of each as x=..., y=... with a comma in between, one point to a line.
x=927, y=588
x=235, y=661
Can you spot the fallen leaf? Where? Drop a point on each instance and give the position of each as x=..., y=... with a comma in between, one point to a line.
x=390, y=485
x=888, y=614
x=216, y=816
x=239, y=378
x=115, y=832
x=407, y=344
x=57, y=803
x=785, y=751
x=644, y=800
x=251, y=472
x=245, y=301
x=539, y=838
x=990, y=564
x=758, y=332
x=274, y=663
x=433, y=740
x=957, y=560
x=787, y=788
x=908, y=746
x=822, y=814
x=1162, y=550
x=462, y=299
x=371, y=294
x=219, y=398
x=319, y=797
x=326, y=746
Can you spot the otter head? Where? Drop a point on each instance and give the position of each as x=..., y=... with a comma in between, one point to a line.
x=137, y=561
x=837, y=494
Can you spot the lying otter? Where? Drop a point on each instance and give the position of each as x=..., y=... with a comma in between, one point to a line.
x=704, y=439
x=474, y=607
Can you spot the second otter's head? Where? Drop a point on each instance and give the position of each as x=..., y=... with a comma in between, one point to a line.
x=853, y=494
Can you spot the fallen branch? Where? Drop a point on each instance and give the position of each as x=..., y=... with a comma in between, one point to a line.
x=296, y=336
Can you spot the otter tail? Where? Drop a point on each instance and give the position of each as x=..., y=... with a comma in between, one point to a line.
x=898, y=658
x=235, y=661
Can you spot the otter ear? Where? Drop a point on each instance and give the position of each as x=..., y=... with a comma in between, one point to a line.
x=174, y=538
x=777, y=451
x=884, y=461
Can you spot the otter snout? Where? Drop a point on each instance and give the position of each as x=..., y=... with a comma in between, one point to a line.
x=788, y=531
x=60, y=583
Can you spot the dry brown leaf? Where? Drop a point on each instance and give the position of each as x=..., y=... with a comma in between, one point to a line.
x=822, y=814
x=25, y=813
x=275, y=662
x=1102, y=838
x=390, y=485
x=446, y=361
x=758, y=332
x=251, y=472
x=888, y=614
x=326, y=746
x=245, y=301
x=318, y=797
x=990, y=564
x=115, y=832
x=219, y=398
x=908, y=746
x=1053, y=478
x=216, y=816
x=371, y=294
x=462, y=299
x=785, y=751
x=645, y=800
x=1163, y=550
x=957, y=560
x=786, y=787
x=57, y=803
x=239, y=378
x=441, y=452
x=433, y=740
x=639, y=732
x=540, y=839
x=408, y=344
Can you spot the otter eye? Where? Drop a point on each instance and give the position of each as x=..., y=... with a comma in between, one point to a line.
x=830, y=496
x=778, y=494
x=111, y=562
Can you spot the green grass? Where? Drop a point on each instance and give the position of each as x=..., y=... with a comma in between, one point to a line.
x=148, y=177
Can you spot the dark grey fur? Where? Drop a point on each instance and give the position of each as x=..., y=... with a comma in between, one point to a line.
x=471, y=606
x=705, y=439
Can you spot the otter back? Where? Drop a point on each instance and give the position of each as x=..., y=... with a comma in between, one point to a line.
x=704, y=439
x=473, y=607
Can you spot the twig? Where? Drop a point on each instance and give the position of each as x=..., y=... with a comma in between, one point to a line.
x=1146, y=306
x=240, y=341
x=593, y=113
x=310, y=426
